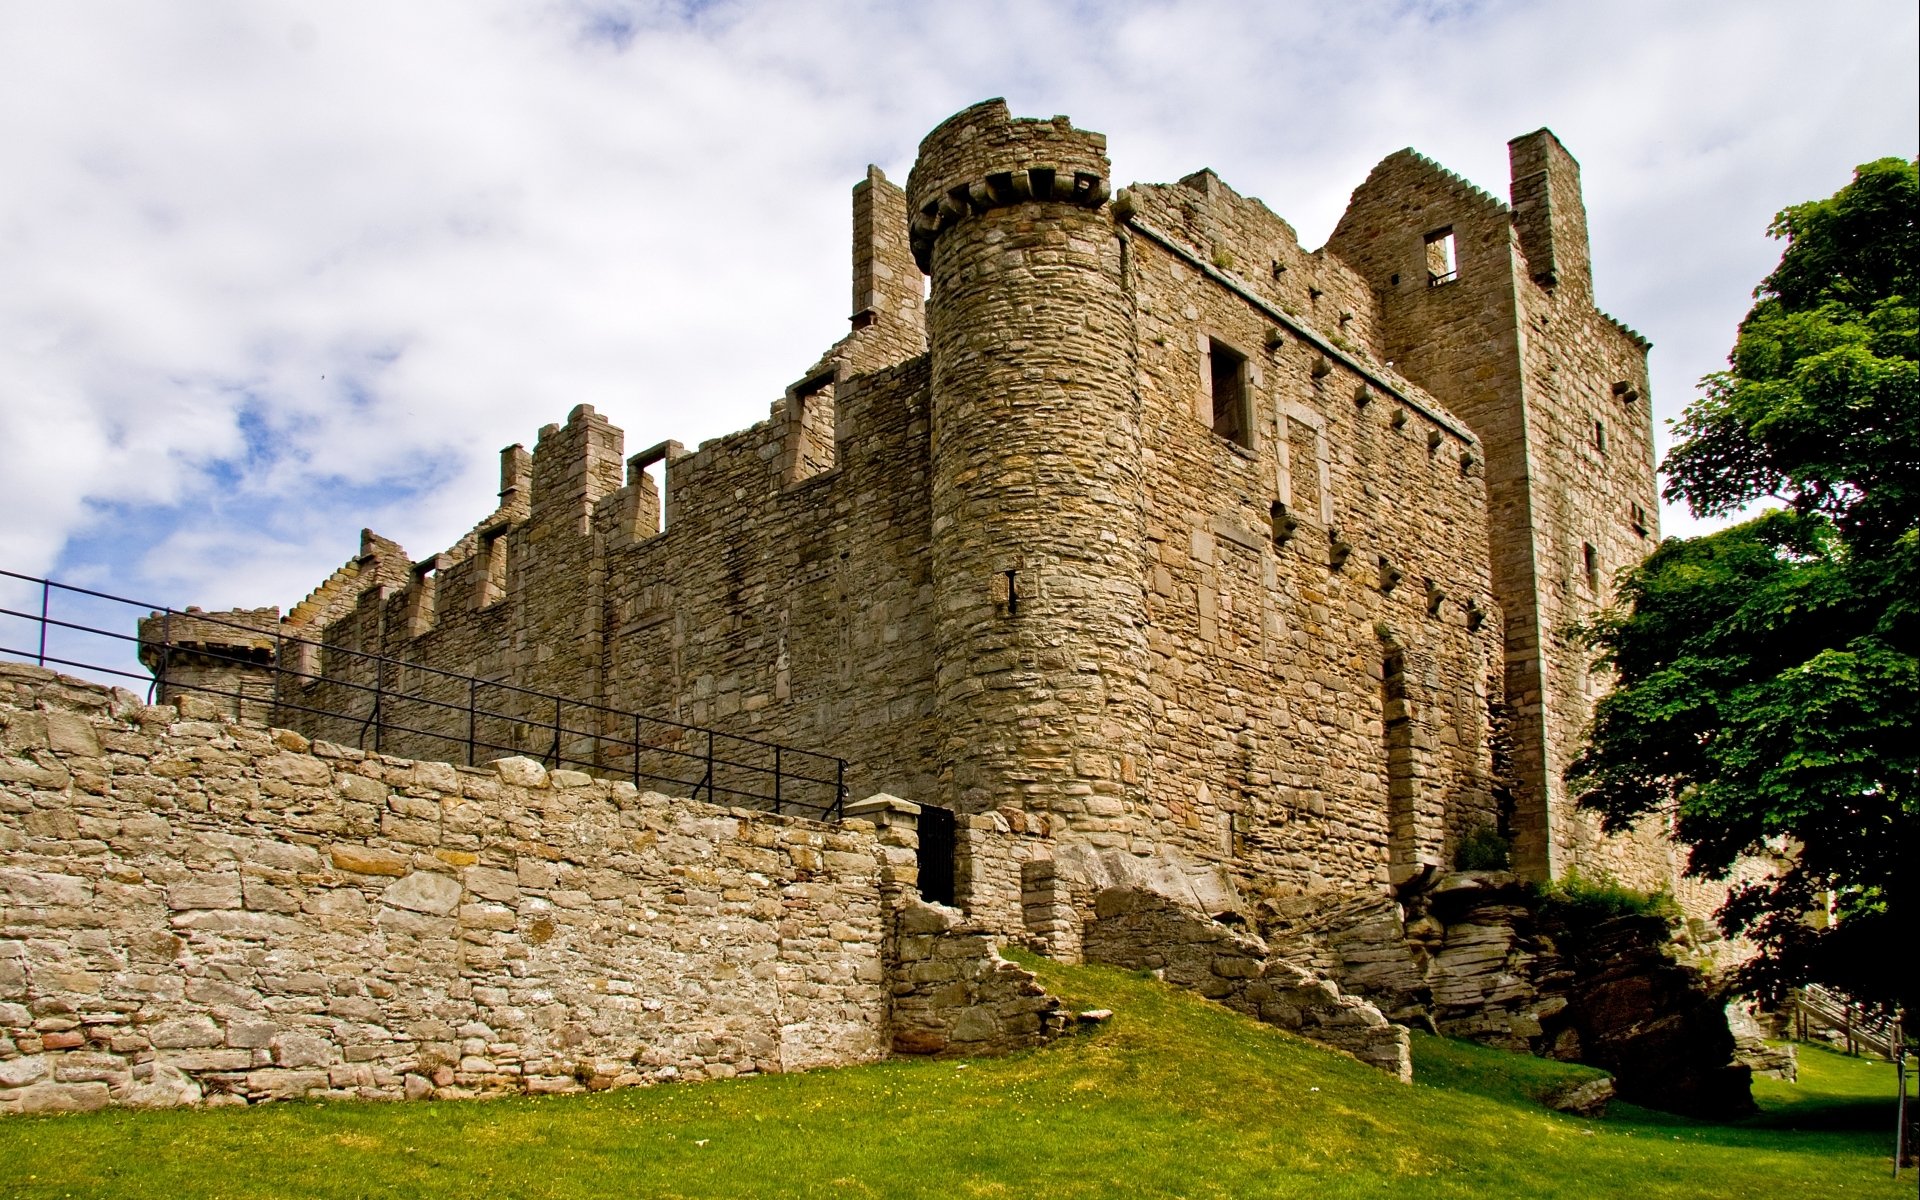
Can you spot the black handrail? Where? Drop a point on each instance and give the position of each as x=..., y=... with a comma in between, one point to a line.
x=722, y=752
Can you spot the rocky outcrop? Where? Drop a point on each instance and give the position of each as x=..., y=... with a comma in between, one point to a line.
x=1775, y=1060
x=1651, y=1021
x=1587, y=1099
x=1147, y=931
x=1478, y=955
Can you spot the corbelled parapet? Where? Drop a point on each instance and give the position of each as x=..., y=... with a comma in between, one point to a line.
x=228, y=657
x=237, y=636
x=982, y=158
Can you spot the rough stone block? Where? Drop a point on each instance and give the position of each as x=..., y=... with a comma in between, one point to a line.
x=71, y=733
x=368, y=860
x=301, y=1050
x=187, y=1032
x=205, y=894
x=164, y=1087
x=521, y=772
x=61, y=1097
x=18, y=1072
x=44, y=889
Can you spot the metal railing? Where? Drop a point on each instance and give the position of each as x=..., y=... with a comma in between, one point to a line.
x=1860, y=1028
x=389, y=705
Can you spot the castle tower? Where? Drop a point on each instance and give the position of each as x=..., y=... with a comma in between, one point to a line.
x=1489, y=306
x=225, y=658
x=1036, y=489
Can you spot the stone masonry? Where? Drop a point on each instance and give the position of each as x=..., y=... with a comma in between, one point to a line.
x=198, y=910
x=1149, y=527
x=1158, y=550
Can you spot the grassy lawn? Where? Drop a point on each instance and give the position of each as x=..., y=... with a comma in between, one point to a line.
x=1174, y=1097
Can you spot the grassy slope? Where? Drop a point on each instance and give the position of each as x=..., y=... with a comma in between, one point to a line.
x=1174, y=1098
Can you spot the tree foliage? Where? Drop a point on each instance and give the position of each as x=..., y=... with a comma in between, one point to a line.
x=1768, y=675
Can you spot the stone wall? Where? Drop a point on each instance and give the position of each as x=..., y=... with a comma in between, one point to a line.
x=1144, y=931
x=1152, y=532
x=196, y=909
x=1557, y=392
x=1321, y=619
x=954, y=994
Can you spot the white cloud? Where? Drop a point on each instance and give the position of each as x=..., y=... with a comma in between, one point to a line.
x=275, y=271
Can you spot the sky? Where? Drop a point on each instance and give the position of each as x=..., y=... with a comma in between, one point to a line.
x=271, y=272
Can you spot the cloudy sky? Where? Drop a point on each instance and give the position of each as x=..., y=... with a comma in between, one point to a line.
x=270, y=272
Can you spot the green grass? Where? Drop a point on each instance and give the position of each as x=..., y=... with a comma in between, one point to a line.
x=1174, y=1097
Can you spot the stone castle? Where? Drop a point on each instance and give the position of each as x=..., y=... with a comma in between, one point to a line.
x=1195, y=579
x=1148, y=529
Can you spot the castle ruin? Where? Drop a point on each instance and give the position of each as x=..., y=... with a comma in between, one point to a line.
x=1179, y=570
x=1149, y=530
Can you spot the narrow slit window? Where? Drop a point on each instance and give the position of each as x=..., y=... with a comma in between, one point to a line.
x=1227, y=370
x=1599, y=435
x=1590, y=559
x=1442, y=265
x=1397, y=730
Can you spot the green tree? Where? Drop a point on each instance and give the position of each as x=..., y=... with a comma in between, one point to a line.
x=1767, y=680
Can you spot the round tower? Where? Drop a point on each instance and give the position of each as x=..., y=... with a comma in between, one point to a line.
x=1038, y=529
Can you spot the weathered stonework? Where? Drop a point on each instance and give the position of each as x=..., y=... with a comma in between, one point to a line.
x=1145, y=931
x=1160, y=553
x=1008, y=551
x=954, y=994
x=198, y=910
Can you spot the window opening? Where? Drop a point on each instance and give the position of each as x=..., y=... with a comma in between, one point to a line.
x=647, y=476
x=810, y=428
x=1442, y=265
x=1638, y=516
x=1591, y=560
x=1304, y=468
x=422, y=594
x=1599, y=435
x=1228, y=378
x=938, y=842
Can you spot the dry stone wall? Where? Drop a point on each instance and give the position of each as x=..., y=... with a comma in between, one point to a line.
x=1144, y=931
x=954, y=994
x=193, y=909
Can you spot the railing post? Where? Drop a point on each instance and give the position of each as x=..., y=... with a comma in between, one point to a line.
x=636, y=751
x=556, y=733
x=839, y=787
x=472, y=683
x=46, y=589
x=776, y=780
x=710, y=799
x=379, y=698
